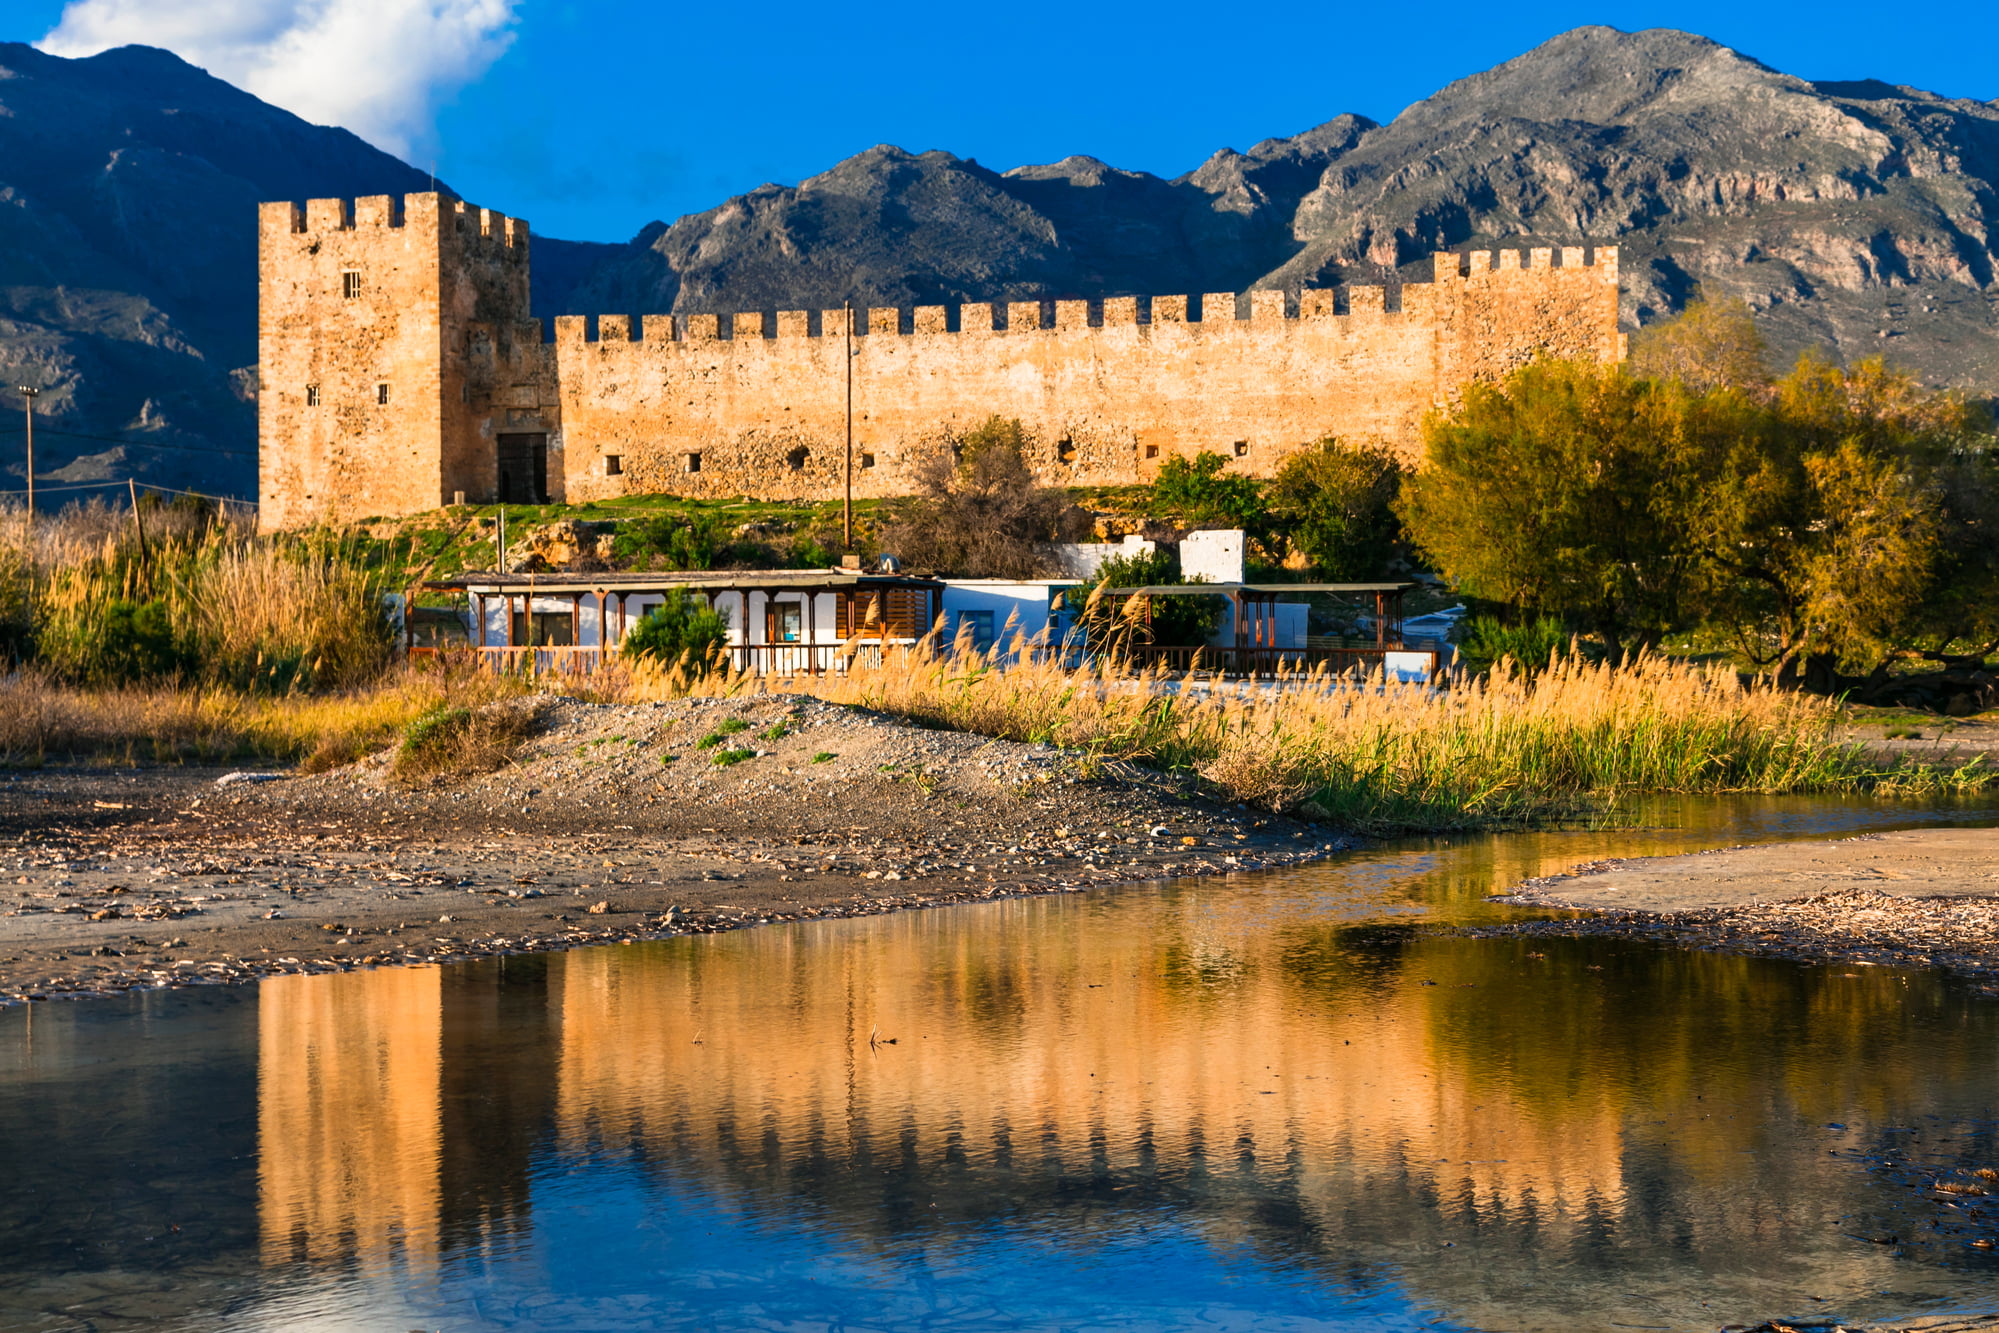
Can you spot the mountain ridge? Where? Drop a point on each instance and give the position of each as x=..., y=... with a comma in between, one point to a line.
x=1858, y=215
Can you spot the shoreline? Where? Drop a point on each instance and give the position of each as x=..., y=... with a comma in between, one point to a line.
x=611, y=826
x=1926, y=897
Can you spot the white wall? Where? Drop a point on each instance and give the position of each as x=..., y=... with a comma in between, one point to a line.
x=1216, y=555
x=1026, y=601
x=1082, y=560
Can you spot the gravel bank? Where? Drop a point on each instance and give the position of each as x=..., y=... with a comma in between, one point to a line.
x=1919, y=898
x=614, y=823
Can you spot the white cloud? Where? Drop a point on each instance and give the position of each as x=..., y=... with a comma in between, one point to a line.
x=377, y=67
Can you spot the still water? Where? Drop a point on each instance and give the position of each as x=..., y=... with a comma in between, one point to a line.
x=1278, y=1101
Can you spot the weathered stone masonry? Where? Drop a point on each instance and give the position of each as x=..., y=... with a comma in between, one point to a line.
x=436, y=310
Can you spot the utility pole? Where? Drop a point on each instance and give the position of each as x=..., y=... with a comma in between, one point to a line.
x=138, y=524
x=848, y=508
x=29, y=394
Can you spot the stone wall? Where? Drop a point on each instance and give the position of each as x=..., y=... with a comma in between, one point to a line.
x=1109, y=391
x=426, y=304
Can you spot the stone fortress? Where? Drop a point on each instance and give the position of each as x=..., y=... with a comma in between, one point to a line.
x=400, y=371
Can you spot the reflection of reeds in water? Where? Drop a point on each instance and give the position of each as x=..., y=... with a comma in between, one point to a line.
x=348, y=1117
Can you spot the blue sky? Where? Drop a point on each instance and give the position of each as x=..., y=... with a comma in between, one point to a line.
x=593, y=117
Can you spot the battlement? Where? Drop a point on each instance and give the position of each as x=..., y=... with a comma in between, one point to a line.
x=1601, y=261
x=427, y=211
x=400, y=369
x=1218, y=311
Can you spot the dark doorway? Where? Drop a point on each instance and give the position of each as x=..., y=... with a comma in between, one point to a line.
x=523, y=469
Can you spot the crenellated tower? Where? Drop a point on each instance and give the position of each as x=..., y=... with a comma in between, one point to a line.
x=397, y=363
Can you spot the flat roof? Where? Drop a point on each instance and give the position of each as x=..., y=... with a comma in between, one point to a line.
x=1227, y=589
x=1013, y=583
x=778, y=580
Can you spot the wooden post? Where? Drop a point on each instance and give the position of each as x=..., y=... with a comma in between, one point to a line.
x=811, y=627
x=479, y=615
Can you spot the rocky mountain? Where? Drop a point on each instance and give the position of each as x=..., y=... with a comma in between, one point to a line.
x=1859, y=216
x=1856, y=216
x=128, y=262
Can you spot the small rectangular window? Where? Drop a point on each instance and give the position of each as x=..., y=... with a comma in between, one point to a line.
x=694, y=462
x=867, y=460
x=614, y=465
x=312, y=395
x=1065, y=451
x=979, y=624
x=350, y=284
x=382, y=394
x=1152, y=451
x=1242, y=448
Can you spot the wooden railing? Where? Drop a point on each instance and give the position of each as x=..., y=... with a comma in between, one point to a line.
x=541, y=660
x=764, y=659
x=1255, y=663
x=800, y=659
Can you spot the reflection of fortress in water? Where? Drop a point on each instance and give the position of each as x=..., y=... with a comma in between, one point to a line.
x=1334, y=1096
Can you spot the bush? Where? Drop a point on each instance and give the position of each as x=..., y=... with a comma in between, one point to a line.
x=978, y=511
x=1176, y=622
x=1483, y=641
x=683, y=632
x=204, y=599
x=675, y=541
x=135, y=642
x=1201, y=494
x=1336, y=503
x=456, y=741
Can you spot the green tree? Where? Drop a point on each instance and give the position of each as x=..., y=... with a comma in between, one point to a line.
x=1336, y=502
x=978, y=511
x=1848, y=522
x=1201, y=493
x=673, y=541
x=683, y=631
x=1562, y=491
x=1170, y=621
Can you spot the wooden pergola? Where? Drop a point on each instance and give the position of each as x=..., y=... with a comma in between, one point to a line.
x=1256, y=650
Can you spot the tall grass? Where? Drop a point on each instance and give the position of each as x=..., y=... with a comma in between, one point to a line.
x=1507, y=751
x=189, y=594
x=45, y=719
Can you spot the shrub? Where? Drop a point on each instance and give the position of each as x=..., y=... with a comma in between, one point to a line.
x=1336, y=502
x=1176, y=622
x=674, y=541
x=1484, y=641
x=978, y=511
x=1201, y=493
x=456, y=741
x=683, y=633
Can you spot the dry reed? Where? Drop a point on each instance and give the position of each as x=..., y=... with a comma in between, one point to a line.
x=42, y=719
x=1506, y=751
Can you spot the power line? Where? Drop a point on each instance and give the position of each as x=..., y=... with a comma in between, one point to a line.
x=143, y=485
x=136, y=444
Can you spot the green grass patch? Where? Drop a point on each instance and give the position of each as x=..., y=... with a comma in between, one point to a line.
x=725, y=758
x=723, y=730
